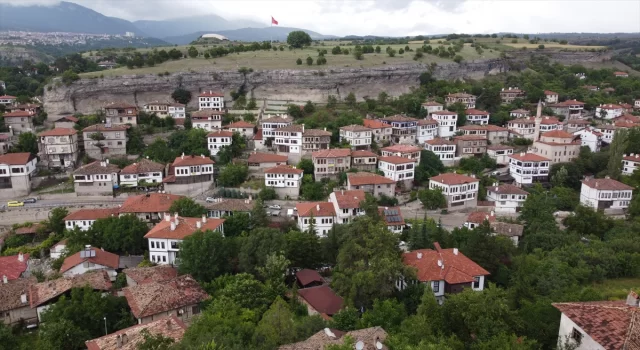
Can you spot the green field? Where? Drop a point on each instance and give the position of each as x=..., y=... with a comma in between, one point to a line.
x=262, y=60
x=617, y=289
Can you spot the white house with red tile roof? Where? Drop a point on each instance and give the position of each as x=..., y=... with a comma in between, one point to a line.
x=447, y=123
x=207, y=119
x=243, y=128
x=150, y=207
x=258, y=162
x=590, y=137
x=58, y=249
x=636, y=103
x=519, y=113
x=7, y=100
x=211, y=100
x=570, y=109
x=606, y=193
x=447, y=271
x=500, y=153
x=392, y=216
x=432, y=106
x=374, y=184
x=404, y=151
x=16, y=170
x=218, y=139
x=140, y=172
x=558, y=145
x=346, y=204
x=288, y=139
x=507, y=198
x=527, y=168
x=477, y=218
x=321, y=214
x=380, y=130
x=461, y=191
x=621, y=74
x=358, y=136
x=165, y=237
x=493, y=133
x=609, y=111
x=329, y=163
x=187, y=173
x=444, y=149
x=403, y=128
x=399, y=169
x=550, y=96
x=460, y=97
x=630, y=163
x=84, y=218
x=477, y=117
x=601, y=325
x=59, y=147
x=427, y=130
x=524, y=127
x=286, y=180
x=509, y=94
x=19, y=121
x=364, y=160
x=90, y=259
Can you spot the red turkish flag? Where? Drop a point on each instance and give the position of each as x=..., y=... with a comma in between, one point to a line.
x=273, y=21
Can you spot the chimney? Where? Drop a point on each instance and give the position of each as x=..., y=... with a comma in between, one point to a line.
x=4, y=279
x=119, y=341
x=633, y=299
x=493, y=213
x=103, y=164
x=20, y=257
x=317, y=207
x=419, y=255
x=342, y=192
x=201, y=155
x=522, y=154
x=23, y=298
x=455, y=251
x=173, y=226
x=198, y=224
x=107, y=161
x=182, y=156
x=167, y=217
x=204, y=219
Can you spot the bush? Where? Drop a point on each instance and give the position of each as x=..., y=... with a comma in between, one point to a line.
x=299, y=61
x=267, y=194
x=309, y=61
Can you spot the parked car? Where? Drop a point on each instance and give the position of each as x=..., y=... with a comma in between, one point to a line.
x=209, y=200
x=493, y=173
x=15, y=204
x=30, y=200
x=275, y=206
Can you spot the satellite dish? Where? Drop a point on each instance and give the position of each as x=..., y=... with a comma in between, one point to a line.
x=359, y=345
x=378, y=345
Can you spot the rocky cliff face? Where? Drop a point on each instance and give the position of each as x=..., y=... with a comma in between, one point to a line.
x=89, y=95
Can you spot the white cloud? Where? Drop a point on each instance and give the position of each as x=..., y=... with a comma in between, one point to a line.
x=394, y=17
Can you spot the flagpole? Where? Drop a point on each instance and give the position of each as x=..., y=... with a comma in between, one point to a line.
x=270, y=32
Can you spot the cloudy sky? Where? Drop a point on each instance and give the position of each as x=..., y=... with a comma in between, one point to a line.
x=394, y=17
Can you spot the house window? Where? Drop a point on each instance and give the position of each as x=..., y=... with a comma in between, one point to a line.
x=162, y=245
x=195, y=310
x=476, y=282
x=436, y=286
x=577, y=336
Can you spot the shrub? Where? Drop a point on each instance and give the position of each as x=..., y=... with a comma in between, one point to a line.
x=299, y=61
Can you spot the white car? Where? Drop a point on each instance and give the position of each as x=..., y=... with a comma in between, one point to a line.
x=209, y=200
x=275, y=206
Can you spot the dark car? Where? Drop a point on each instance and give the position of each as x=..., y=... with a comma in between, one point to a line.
x=30, y=200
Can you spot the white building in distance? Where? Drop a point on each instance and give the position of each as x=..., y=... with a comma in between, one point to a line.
x=606, y=193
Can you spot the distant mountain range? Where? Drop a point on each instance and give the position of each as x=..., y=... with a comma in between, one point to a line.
x=247, y=34
x=71, y=17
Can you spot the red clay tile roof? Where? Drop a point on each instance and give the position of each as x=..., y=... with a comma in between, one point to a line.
x=620, y=73
x=547, y=120
x=96, y=168
x=43, y=292
x=364, y=178
x=12, y=267
x=396, y=160
x=11, y=293
x=192, y=160
x=612, y=324
x=277, y=120
x=439, y=141
x=444, y=113
x=457, y=267
x=205, y=114
x=567, y=103
x=151, y=274
x=220, y=133
x=427, y=121
x=16, y=158
x=29, y=230
x=101, y=257
x=460, y=95
x=470, y=138
x=122, y=105
x=186, y=227
x=520, y=111
x=332, y=153
x=58, y=132
x=322, y=298
x=91, y=214
x=152, y=298
x=473, y=111
x=549, y=92
x=521, y=121
x=354, y=127
x=321, y=340
x=308, y=276
x=507, y=189
x=375, y=124
x=610, y=106
x=102, y=127
x=488, y=127
x=399, y=118
x=291, y=128
x=143, y=166
x=18, y=114
x=529, y=157
x=558, y=133
x=283, y=169
x=239, y=125
x=607, y=185
x=402, y=149
x=315, y=208
x=266, y=158
x=359, y=154
x=316, y=133
x=149, y=203
x=632, y=158
x=453, y=179
x=432, y=103
x=258, y=135
x=7, y=97
x=349, y=199
x=211, y=93
x=170, y=327
x=479, y=217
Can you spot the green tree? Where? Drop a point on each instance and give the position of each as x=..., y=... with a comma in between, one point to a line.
x=233, y=175
x=135, y=141
x=237, y=223
x=387, y=314
x=432, y=199
x=56, y=222
x=430, y=165
x=303, y=249
x=346, y=319
x=69, y=76
x=206, y=255
x=181, y=95
x=299, y=61
x=7, y=340
x=159, y=151
x=192, y=52
x=276, y=327
x=252, y=104
x=119, y=234
x=307, y=166
x=309, y=108
x=298, y=39
x=187, y=207
x=368, y=263
x=616, y=152
x=332, y=101
x=155, y=341
x=378, y=49
x=255, y=248
x=259, y=216
x=309, y=61
x=242, y=289
x=350, y=99
x=27, y=142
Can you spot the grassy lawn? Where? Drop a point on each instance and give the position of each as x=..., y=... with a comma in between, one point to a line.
x=617, y=289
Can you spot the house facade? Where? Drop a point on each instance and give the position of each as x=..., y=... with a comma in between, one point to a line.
x=364, y=160
x=444, y=149
x=519, y=113
x=461, y=191
x=288, y=139
x=380, y=131
x=527, y=168
x=403, y=129
x=432, y=106
x=106, y=140
x=550, y=96
x=500, y=153
x=404, y=151
x=609, y=111
x=558, y=145
x=315, y=140
x=90, y=259
x=507, y=198
x=321, y=215
x=188, y=174
x=84, y=218
x=149, y=207
x=630, y=163
x=19, y=121
x=243, y=128
x=259, y=162
x=222, y=207
x=570, y=109
x=207, y=119
x=510, y=94
x=494, y=134
x=218, y=139
x=142, y=173
x=286, y=180
x=121, y=113
x=447, y=123
x=346, y=205
x=427, y=130
x=470, y=146
x=96, y=179
x=399, y=169
x=331, y=162
x=371, y=183
x=590, y=138
x=211, y=100
x=358, y=136
x=477, y=117
x=14, y=305
x=601, y=194
x=16, y=171
x=460, y=97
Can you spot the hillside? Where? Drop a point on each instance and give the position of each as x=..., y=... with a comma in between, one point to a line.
x=188, y=25
x=63, y=17
x=248, y=34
